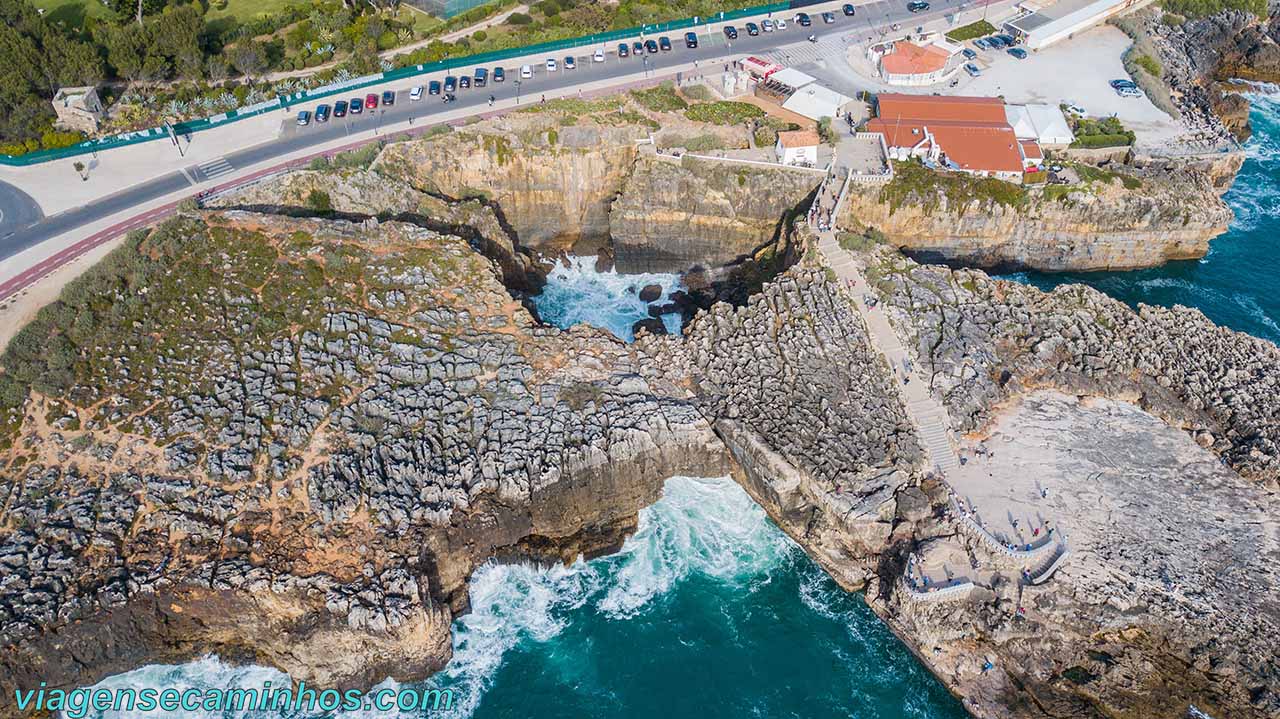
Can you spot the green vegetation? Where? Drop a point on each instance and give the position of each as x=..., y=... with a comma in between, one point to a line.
x=1090, y=173
x=1150, y=64
x=971, y=31
x=860, y=242
x=360, y=158
x=662, y=98
x=826, y=132
x=723, y=112
x=767, y=129
x=916, y=184
x=1141, y=63
x=319, y=202
x=696, y=143
x=1205, y=8
x=1104, y=132
x=1172, y=18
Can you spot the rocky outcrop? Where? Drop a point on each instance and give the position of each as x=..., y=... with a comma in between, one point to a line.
x=673, y=215
x=985, y=341
x=293, y=444
x=553, y=183
x=361, y=194
x=1160, y=215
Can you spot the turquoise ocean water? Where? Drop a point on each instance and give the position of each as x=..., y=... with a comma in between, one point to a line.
x=1238, y=283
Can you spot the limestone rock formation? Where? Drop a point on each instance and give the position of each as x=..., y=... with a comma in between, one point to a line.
x=674, y=214
x=292, y=441
x=1166, y=213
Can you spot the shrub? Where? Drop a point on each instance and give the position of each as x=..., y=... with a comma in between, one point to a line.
x=518, y=18
x=662, y=98
x=53, y=139
x=479, y=36
x=723, y=112
x=971, y=31
x=319, y=202
x=1150, y=64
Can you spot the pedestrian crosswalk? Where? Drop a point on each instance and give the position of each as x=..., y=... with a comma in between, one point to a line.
x=213, y=169
x=803, y=53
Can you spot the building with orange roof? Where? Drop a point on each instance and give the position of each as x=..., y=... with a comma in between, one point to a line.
x=966, y=134
x=907, y=63
x=798, y=147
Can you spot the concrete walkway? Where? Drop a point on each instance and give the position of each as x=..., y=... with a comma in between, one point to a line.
x=928, y=414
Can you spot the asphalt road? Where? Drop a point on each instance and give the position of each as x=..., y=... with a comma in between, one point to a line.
x=875, y=17
x=17, y=209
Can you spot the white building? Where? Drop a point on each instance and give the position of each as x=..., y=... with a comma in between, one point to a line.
x=1040, y=122
x=798, y=147
x=816, y=102
x=1039, y=28
x=915, y=64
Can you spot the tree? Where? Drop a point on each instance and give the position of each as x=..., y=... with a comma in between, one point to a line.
x=126, y=51
x=249, y=57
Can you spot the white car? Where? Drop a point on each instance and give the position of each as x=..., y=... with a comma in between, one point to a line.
x=1128, y=92
x=780, y=24
x=526, y=71
x=766, y=25
x=551, y=65
x=1074, y=109
x=599, y=56
x=416, y=93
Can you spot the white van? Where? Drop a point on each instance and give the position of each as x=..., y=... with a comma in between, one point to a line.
x=551, y=64
x=526, y=71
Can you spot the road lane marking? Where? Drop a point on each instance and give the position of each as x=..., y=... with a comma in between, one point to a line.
x=187, y=175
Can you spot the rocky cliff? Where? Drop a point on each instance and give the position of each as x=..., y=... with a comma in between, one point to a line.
x=676, y=214
x=1107, y=219
x=553, y=183
x=291, y=441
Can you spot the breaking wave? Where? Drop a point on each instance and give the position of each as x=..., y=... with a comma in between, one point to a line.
x=707, y=611
x=578, y=294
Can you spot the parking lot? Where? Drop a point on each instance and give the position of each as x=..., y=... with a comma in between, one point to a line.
x=1075, y=70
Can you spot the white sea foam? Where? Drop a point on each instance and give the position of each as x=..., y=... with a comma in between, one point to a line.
x=708, y=527
x=578, y=294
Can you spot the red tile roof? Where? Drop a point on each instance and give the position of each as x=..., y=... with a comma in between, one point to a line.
x=911, y=59
x=1031, y=150
x=972, y=132
x=799, y=138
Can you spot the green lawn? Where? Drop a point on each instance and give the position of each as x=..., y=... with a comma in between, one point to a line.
x=73, y=12
x=971, y=31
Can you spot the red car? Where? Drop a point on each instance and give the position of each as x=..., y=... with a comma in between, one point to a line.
x=370, y=101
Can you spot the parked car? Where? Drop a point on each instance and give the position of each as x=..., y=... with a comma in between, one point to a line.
x=917, y=6
x=623, y=51
x=389, y=97
x=766, y=25
x=1074, y=109
x=1129, y=92
x=802, y=19
x=848, y=9
x=570, y=63
x=968, y=54
x=322, y=113
x=598, y=56
x=433, y=87
x=983, y=44
x=1017, y=52
x=340, y=108
x=828, y=18
x=450, y=83
x=637, y=48
x=304, y=118
x=1117, y=84
x=370, y=101
x=691, y=39
x=1008, y=39
x=551, y=65
x=356, y=105
x=664, y=43
x=996, y=42
x=415, y=94
x=651, y=47
x=526, y=71
x=780, y=24
x=499, y=74
x=464, y=83
x=972, y=69
x=753, y=29
x=481, y=77
x=731, y=32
